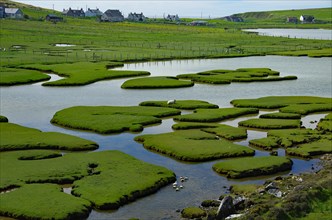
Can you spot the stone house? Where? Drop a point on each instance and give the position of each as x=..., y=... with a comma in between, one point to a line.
x=73, y=12
x=136, y=17
x=93, y=12
x=307, y=19
x=15, y=13
x=292, y=20
x=112, y=16
x=172, y=18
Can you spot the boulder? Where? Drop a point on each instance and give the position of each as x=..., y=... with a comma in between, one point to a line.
x=226, y=208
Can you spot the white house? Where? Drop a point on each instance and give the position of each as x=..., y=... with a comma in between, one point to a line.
x=307, y=19
x=13, y=13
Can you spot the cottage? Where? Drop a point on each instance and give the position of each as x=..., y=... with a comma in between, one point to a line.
x=112, y=16
x=2, y=11
x=307, y=19
x=198, y=23
x=53, y=18
x=172, y=18
x=73, y=13
x=292, y=20
x=136, y=17
x=93, y=13
x=233, y=18
x=15, y=13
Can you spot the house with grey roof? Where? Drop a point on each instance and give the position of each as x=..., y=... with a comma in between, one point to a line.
x=307, y=19
x=93, y=12
x=73, y=12
x=15, y=13
x=136, y=17
x=172, y=18
x=112, y=16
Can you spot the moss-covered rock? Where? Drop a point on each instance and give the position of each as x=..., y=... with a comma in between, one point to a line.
x=111, y=119
x=43, y=201
x=193, y=212
x=16, y=137
x=252, y=166
x=193, y=145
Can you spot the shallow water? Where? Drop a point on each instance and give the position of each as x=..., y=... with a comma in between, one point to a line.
x=318, y=34
x=34, y=105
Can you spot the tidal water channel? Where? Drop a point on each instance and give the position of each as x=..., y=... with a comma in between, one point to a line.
x=34, y=105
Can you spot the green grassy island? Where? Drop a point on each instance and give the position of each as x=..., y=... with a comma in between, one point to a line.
x=12, y=76
x=111, y=119
x=180, y=104
x=107, y=179
x=252, y=166
x=16, y=137
x=325, y=124
x=239, y=75
x=157, y=82
x=193, y=145
x=265, y=123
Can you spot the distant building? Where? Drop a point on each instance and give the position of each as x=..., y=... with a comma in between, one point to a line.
x=73, y=13
x=172, y=18
x=112, y=16
x=93, y=13
x=233, y=18
x=292, y=20
x=2, y=12
x=307, y=19
x=136, y=17
x=53, y=18
x=198, y=23
x=15, y=13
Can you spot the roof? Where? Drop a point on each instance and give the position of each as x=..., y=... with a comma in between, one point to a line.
x=94, y=10
x=113, y=13
x=11, y=10
x=53, y=16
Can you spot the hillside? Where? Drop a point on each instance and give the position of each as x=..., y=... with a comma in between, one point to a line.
x=323, y=15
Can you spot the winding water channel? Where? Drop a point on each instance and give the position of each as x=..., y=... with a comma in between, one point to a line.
x=34, y=105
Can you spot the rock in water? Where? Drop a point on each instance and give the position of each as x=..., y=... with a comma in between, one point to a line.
x=226, y=208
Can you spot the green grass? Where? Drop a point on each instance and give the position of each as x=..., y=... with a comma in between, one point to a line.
x=325, y=124
x=274, y=102
x=11, y=76
x=3, y=118
x=311, y=149
x=215, y=115
x=43, y=201
x=327, y=52
x=264, y=123
x=181, y=104
x=239, y=75
x=16, y=137
x=107, y=179
x=281, y=115
x=254, y=166
x=192, y=145
x=268, y=143
x=157, y=82
x=111, y=119
x=221, y=130
x=83, y=73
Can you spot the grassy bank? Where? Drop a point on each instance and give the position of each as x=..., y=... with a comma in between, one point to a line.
x=111, y=119
x=107, y=179
x=158, y=82
x=11, y=76
x=192, y=145
x=16, y=137
x=265, y=123
x=181, y=104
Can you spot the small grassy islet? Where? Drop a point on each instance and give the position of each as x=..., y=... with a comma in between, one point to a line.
x=325, y=124
x=16, y=137
x=43, y=201
x=181, y=104
x=157, y=82
x=252, y=166
x=215, y=115
x=193, y=145
x=239, y=75
x=111, y=119
x=281, y=115
x=264, y=123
